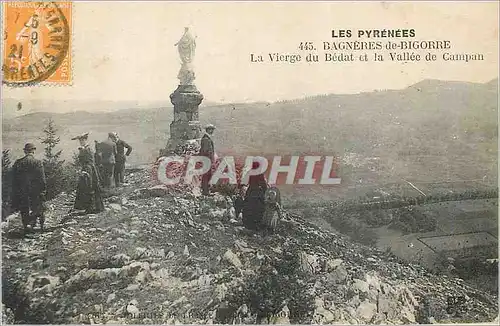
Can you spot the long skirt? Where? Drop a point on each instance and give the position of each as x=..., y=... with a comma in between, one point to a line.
x=253, y=210
x=88, y=192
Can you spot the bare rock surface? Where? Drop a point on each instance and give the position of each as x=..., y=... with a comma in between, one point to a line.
x=165, y=255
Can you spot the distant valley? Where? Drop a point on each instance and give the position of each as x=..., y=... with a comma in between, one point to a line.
x=433, y=130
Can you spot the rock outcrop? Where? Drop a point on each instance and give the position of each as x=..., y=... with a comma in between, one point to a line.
x=161, y=255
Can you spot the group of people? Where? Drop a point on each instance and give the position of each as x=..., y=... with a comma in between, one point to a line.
x=110, y=157
x=104, y=168
x=256, y=202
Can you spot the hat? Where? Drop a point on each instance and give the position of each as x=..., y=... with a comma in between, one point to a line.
x=82, y=136
x=209, y=126
x=29, y=147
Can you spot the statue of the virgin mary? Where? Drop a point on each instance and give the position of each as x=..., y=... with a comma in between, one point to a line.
x=186, y=46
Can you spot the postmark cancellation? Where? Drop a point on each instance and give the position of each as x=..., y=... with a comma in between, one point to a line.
x=37, y=43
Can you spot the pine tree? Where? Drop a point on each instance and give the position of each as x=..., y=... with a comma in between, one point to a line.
x=52, y=163
x=6, y=182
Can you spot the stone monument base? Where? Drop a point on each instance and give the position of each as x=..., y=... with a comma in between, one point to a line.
x=185, y=129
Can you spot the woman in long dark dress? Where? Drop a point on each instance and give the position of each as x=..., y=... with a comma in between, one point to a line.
x=253, y=207
x=88, y=191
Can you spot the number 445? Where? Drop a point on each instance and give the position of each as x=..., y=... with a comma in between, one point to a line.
x=307, y=46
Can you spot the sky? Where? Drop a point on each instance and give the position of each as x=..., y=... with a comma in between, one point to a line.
x=125, y=50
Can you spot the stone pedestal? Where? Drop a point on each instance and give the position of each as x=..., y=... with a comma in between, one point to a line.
x=185, y=129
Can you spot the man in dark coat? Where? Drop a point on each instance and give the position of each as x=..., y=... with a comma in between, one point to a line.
x=107, y=155
x=29, y=188
x=121, y=157
x=207, y=149
x=88, y=192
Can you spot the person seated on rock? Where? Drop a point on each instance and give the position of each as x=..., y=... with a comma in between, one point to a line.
x=273, y=210
x=272, y=197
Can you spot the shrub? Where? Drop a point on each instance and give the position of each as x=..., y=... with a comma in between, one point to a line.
x=398, y=225
x=378, y=218
x=407, y=218
x=52, y=164
x=60, y=176
x=424, y=223
x=69, y=178
x=348, y=224
x=411, y=220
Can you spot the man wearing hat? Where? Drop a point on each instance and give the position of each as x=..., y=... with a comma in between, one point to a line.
x=121, y=157
x=29, y=188
x=107, y=154
x=207, y=150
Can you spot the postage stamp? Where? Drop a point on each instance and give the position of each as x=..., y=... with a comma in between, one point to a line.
x=37, y=43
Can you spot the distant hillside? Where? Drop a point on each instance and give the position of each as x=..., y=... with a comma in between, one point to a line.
x=10, y=106
x=433, y=130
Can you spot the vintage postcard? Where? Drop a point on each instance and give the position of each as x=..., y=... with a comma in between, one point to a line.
x=239, y=162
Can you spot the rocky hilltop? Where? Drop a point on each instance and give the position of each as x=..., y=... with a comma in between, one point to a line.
x=164, y=255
